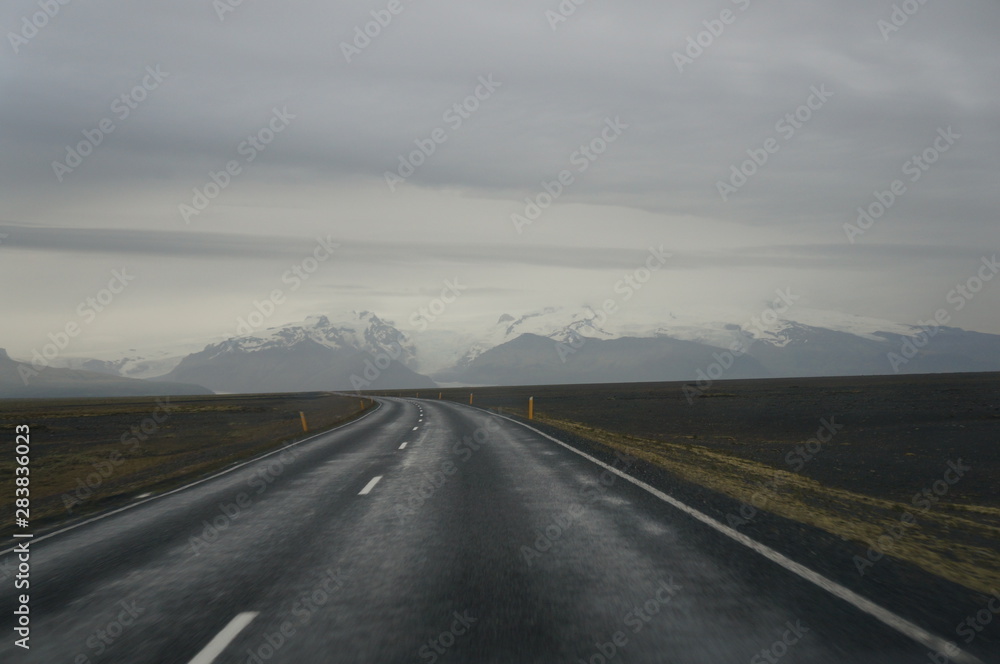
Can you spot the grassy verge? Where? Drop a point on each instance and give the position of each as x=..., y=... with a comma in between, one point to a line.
x=89, y=455
x=958, y=542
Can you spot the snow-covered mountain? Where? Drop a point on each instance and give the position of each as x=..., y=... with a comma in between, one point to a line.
x=814, y=343
x=561, y=323
x=357, y=353
x=360, y=350
x=360, y=331
x=554, y=323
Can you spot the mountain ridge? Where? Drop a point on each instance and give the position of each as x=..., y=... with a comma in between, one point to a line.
x=362, y=351
x=23, y=380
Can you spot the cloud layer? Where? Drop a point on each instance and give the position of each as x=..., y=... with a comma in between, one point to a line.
x=274, y=125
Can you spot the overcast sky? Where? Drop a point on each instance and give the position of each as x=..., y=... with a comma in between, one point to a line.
x=185, y=84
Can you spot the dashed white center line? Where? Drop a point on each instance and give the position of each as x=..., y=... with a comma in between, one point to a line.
x=415, y=428
x=403, y=446
x=371, y=485
x=224, y=638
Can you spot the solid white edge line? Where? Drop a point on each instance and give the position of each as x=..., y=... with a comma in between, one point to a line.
x=224, y=638
x=371, y=485
x=898, y=623
x=195, y=483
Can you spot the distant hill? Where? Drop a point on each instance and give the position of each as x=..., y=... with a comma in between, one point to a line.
x=531, y=349
x=21, y=380
x=530, y=359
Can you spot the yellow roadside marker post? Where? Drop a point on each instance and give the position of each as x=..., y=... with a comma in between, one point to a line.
x=531, y=408
x=305, y=427
x=470, y=398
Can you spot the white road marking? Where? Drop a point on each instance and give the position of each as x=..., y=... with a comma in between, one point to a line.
x=193, y=484
x=415, y=428
x=224, y=638
x=898, y=623
x=371, y=485
x=403, y=446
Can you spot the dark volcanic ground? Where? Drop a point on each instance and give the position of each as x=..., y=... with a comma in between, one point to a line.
x=899, y=432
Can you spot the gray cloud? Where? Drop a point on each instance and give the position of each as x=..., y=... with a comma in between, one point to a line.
x=656, y=185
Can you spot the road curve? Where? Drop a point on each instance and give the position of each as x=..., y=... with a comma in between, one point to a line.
x=426, y=532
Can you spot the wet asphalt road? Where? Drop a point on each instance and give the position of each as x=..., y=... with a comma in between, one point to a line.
x=425, y=532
